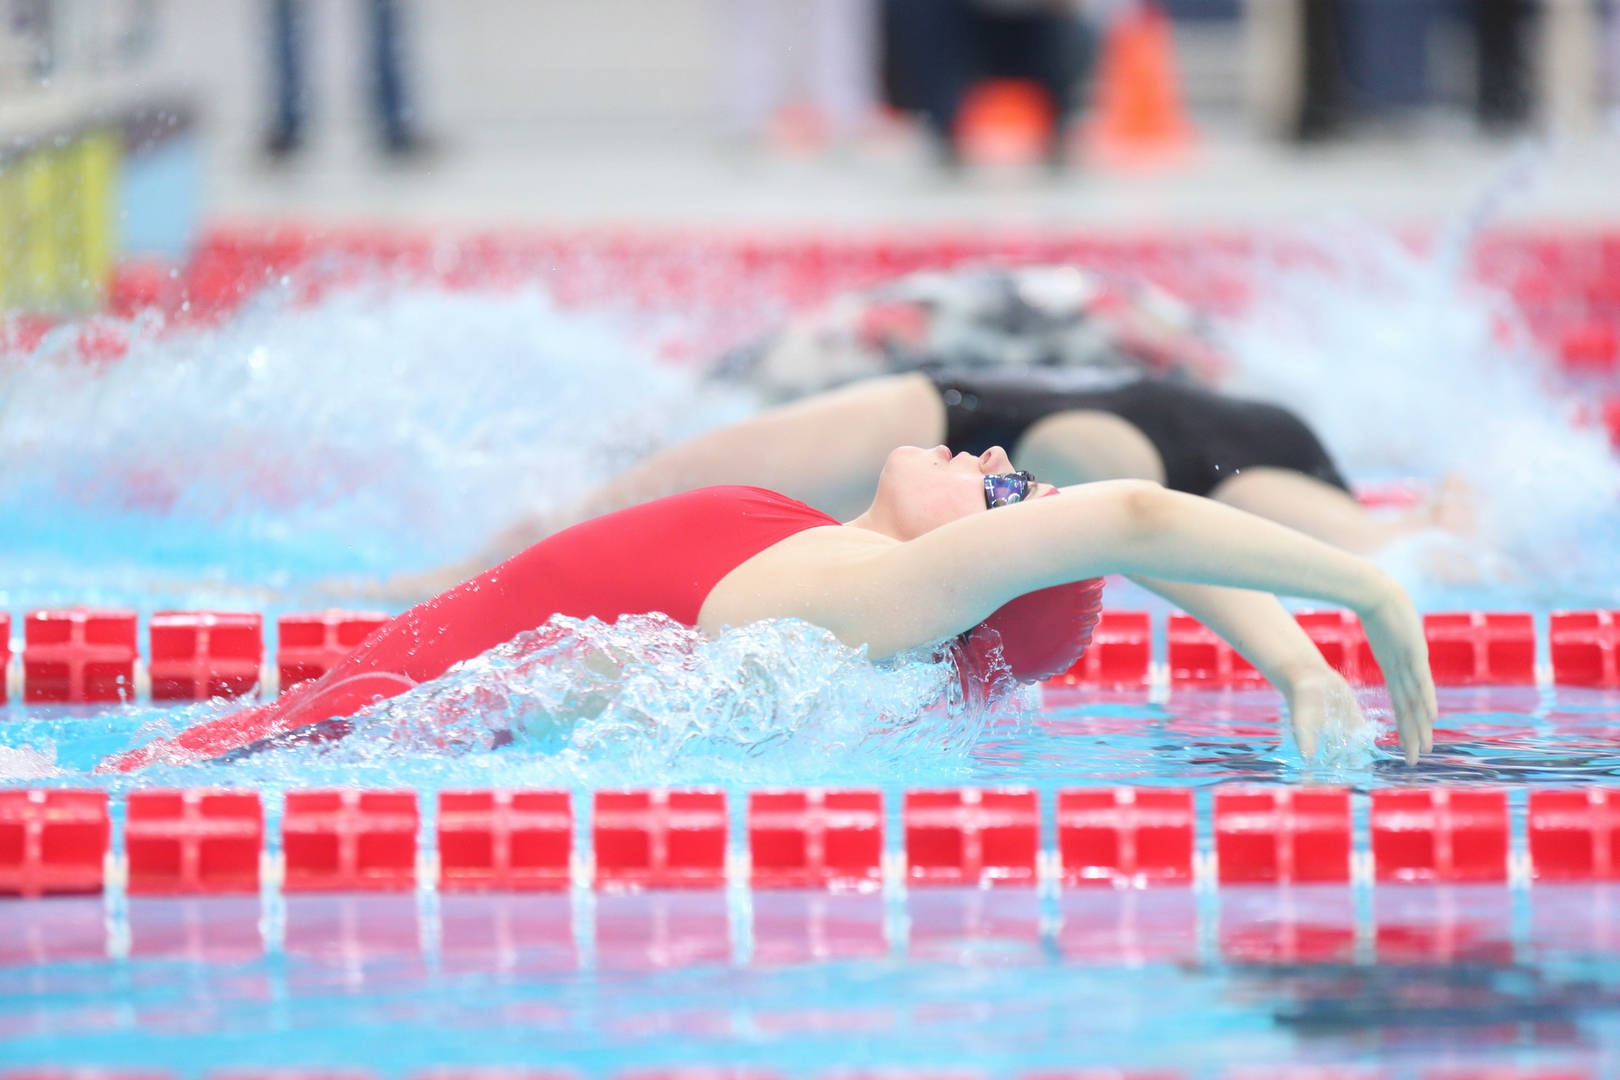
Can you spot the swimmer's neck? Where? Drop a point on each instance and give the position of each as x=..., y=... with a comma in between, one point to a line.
x=877, y=519
x=874, y=520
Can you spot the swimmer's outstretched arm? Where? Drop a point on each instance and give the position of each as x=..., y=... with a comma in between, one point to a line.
x=892, y=596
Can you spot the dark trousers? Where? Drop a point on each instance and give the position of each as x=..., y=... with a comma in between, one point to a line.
x=1322, y=104
x=936, y=50
x=1502, y=98
x=289, y=21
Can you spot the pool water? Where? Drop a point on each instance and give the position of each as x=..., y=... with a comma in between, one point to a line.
x=304, y=451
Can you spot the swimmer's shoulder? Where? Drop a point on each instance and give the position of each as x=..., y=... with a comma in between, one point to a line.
x=792, y=577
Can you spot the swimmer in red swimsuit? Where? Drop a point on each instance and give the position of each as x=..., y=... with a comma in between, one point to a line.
x=925, y=562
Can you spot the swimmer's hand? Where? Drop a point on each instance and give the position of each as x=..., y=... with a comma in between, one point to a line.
x=1395, y=632
x=1319, y=702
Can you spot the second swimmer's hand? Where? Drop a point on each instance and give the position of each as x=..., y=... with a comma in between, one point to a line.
x=1320, y=701
x=1395, y=632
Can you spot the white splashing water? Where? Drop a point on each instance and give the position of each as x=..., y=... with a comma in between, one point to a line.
x=372, y=431
x=1405, y=369
x=644, y=700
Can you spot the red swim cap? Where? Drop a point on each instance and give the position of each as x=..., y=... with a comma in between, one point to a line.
x=1041, y=633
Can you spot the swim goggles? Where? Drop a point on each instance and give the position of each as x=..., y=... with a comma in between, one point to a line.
x=1003, y=489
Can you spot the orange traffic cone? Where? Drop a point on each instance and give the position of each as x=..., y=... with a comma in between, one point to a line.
x=1139, y=115
x=1005, y=122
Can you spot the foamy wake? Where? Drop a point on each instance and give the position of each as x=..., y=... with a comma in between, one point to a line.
x=1406, y=370
x=647, y=700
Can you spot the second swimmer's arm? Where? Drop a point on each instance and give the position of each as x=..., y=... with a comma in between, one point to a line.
x=1263, y=631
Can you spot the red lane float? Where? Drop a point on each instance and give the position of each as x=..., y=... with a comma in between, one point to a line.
x=659, y=839
x=78, y=656
x=1582, y=646
x=1451, y=835
x=1477, y=648
x=815, y=839
x=193, y=842
x=1198, y=657
x=52, y=842
x=1574, y=835
x=308, y=646
x=505, y=840
x=1338, y=636
x=349, y=841
x=1126, y=836
x=1120, y=655
x=195, y=655
x=974, y=837
x=5, y=656
x=1284, y=835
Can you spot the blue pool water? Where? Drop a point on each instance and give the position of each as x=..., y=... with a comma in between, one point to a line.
x=283, y=460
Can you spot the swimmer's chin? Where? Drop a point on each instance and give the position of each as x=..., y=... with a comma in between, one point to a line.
x=25, y=763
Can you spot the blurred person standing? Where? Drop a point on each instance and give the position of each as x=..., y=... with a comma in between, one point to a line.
x=1502, y=101
x=1324, y=91
x=938, y=50
x=824, y=50
x=289, y=21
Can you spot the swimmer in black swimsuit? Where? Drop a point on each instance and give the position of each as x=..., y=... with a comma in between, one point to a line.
x=1068, y=428
x=1201, y=438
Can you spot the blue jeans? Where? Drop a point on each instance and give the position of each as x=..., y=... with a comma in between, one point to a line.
x=288, y=20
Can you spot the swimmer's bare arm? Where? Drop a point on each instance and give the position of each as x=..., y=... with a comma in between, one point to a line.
x=1263, y=631
x=893, y=596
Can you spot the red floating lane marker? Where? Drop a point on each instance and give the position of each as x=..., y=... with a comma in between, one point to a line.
x=969, y=836
x=660, y=839
x=1119, y=655
x=1198, y=657
x=78, y=656
x=505, y=840
x=1285, y=835
x=1582, y=644
x=1343, y=644
x=189, y=842
x=307, y=646
x=816, y=839
x=1104, y=1074
x=349, y=841
x=203, y=654
x=707, y=1072
x=5, y=655
x=1591, y=348
x=1473, y=648
x=292, y=1074
x=52, y=842
x=1126, y=836
x=1575, y=834
x=1442, y=834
